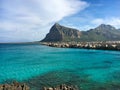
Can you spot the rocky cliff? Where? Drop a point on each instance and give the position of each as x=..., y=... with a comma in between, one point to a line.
x=66, y=34
x=61, y=33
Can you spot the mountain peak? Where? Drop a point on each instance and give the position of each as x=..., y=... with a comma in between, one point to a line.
x=105, y=27
x=61, y=33
x=56, y=24
x=102, y=25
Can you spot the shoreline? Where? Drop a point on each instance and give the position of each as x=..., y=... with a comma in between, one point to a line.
x=106, y=45
x=109, y=45
x=23, y=86
x=14, y=86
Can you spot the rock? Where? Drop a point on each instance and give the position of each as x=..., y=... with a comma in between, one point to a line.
x=111, y=45
x=59, y=33
x=62, y=87
x=50, y=88
x=14, y=86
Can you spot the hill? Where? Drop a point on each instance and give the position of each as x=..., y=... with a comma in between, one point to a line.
x=59, y=33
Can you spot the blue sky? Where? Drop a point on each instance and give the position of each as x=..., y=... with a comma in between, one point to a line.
x=98, y=12
x=30, y=20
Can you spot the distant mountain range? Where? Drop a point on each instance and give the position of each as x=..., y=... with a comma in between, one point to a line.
x=59, y=33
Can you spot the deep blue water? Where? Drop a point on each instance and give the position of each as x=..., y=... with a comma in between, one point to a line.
x=24, y=62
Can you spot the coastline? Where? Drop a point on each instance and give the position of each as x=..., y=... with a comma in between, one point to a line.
x=103, y=45
x=108, y=45
x=23, y=86
x=14, y=86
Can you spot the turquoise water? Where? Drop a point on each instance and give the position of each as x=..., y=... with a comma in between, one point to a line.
x=51, y=66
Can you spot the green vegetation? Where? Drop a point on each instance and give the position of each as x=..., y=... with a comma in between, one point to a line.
x=65, y=34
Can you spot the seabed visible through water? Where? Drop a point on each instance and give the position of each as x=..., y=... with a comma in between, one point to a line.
x=40, y=66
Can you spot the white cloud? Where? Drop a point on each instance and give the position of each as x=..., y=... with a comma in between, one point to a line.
x=98, y=21
x=32, y=19
x=115, y=21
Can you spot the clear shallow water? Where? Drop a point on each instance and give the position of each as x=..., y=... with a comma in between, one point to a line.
x=37, y=64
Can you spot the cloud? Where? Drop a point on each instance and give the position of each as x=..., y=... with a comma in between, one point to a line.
x=31, y=19
x=115, y=21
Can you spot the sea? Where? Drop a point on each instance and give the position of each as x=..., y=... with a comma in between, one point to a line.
x=38, y=66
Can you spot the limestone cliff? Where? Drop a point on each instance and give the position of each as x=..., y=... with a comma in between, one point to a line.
x=61, y=33
x=103, y=32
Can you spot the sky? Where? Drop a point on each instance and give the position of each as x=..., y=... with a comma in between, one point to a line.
x=31, y=20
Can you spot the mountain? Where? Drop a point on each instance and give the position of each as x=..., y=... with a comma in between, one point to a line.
x=101, y=33
x=61, y=33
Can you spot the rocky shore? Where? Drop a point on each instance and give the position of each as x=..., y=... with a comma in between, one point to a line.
x=14, y=86
x=18, y=86
x=62, y=87
x=109, y=45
